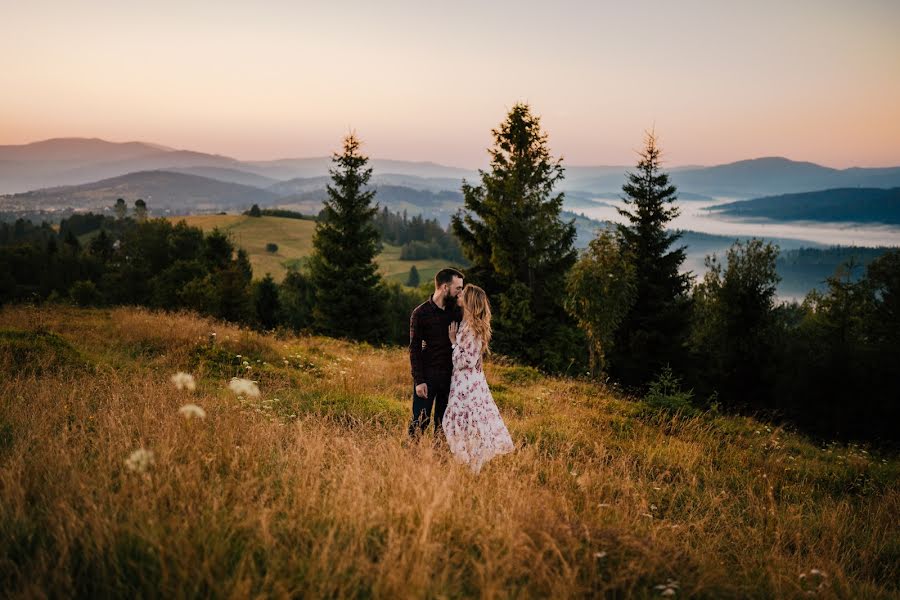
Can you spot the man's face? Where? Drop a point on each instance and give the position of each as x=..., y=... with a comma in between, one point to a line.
x=455, y=287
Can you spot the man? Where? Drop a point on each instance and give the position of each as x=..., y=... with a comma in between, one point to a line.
x=430, y=354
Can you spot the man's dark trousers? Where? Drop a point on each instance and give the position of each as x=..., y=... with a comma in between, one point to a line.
x=436, y=402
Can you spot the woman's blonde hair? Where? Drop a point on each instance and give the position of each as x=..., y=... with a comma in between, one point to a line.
x=477, y=313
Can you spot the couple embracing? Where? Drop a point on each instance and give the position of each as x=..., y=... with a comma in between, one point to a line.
x=448, y=335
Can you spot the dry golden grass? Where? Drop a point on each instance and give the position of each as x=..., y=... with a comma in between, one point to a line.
x=311, y=490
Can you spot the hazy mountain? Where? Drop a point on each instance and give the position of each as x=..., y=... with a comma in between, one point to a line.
x=162, y=190
x=775, y=175
x=78, y=150
x=432, y=205
x=859, y=205
x=290, y=168
x=69, y=161
x=741, y=179
x=230, y=176
x=300, y=185
x=72, y=161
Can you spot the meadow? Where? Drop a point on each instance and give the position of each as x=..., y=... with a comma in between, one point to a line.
x=311, y=489
x=294, y=239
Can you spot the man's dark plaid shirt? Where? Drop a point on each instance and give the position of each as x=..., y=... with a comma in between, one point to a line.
x=430, y=324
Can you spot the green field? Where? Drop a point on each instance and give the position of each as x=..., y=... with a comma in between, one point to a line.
x=294, y=239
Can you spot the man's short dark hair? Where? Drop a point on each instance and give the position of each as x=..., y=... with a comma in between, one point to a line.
x=446, y=276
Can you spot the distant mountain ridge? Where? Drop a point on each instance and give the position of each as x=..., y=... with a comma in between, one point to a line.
x=75, y=161
x=859, y=205
x=162, y=190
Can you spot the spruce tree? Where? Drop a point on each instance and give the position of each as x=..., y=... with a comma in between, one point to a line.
x=653, y=333
x=520, y=249
x=265, y=301
x=140, y=210
x=349, y=298
x=413, y=280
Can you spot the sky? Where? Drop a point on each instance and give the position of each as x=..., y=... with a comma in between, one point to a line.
x=718, y=81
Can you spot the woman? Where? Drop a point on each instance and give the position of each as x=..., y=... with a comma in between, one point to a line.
x=472, y=424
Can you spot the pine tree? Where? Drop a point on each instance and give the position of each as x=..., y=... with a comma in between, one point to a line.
x=653, y=333
x=519, y=247
x=413, y=280
x=349, y=299
x=265, y=301
x=140, y=210
x=120, y=209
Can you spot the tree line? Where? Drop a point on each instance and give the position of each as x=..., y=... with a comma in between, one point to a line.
x=620, y=311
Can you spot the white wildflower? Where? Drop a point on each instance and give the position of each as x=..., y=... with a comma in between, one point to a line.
x=600, y=554
x=192, y=410
x=140, y=460
x=668, y=588
x=184, y=381
x=243, y=387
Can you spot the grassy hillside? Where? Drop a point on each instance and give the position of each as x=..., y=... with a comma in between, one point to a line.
x=294, y=239
x=311, y=490
x=293, y=236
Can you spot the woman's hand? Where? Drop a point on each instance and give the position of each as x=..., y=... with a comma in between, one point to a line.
x=453, y=330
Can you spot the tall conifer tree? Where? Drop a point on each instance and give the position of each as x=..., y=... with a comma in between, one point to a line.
x=349, y=297
x=653, y=333
x=519, y=246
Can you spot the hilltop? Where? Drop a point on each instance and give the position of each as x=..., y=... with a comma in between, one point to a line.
x=311, y=490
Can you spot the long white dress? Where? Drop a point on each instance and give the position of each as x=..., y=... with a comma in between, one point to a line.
x=472, y=424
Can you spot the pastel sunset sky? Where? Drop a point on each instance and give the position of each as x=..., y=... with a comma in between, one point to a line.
x=719, y=81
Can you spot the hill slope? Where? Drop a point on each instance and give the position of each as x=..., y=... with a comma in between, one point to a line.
x=860, y=205
x=163, y=190
x=294, y=240
x=310, y=489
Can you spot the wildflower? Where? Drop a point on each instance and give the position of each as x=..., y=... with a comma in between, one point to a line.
x=184, y=381
x=243, y=387
x=815, y=581
x=140, y=460
x=668, y=588
x=192, y=410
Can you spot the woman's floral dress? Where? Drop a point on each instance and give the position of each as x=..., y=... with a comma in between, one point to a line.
x=472, y=424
